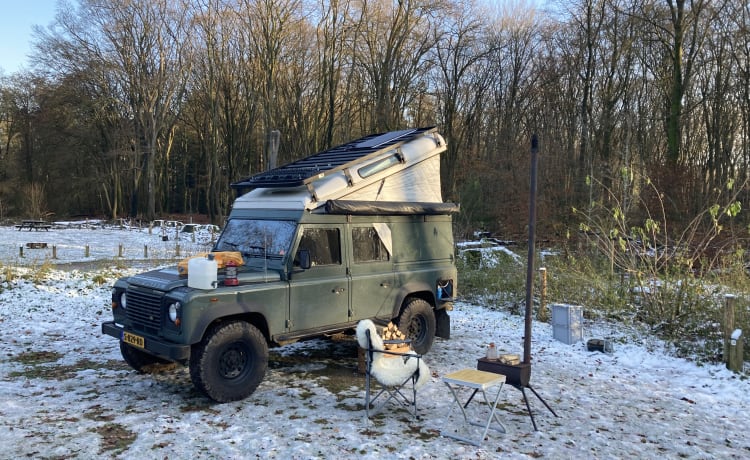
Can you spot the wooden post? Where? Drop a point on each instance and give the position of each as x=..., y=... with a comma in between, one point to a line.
x=728, y=325
x=86, y=250
x=177, y=250
x=542, y=314
x=54, y=252
x=20, y=251
x=119, y=251
x=735, y=362
x=145, y=251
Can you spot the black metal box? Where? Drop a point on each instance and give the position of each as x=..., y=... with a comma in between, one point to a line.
x=515, y=374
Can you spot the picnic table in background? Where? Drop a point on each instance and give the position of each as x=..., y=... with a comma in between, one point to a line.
x=34, y=225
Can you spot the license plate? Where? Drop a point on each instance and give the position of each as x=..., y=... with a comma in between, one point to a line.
x=132, y=339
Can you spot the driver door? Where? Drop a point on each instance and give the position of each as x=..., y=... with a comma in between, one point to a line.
x=319, y=296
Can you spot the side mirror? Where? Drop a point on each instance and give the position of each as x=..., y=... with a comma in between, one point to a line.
x=303, y=257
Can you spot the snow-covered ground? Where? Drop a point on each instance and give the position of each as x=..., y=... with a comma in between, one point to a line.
x=65, y=242
x=65, y=392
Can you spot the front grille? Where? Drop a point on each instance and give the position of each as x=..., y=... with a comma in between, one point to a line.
x=144, y=310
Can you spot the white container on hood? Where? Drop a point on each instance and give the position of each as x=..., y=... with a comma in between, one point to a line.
x=202, y=272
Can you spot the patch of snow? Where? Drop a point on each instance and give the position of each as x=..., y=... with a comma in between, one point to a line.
x=489, y=255
x=78, y=399
x=70, y=244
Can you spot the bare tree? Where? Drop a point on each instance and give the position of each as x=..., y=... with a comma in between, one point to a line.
x=461, y=82
x=716, y=89
x=611, y=86
x=332, y=31
x=140, y=47
x=9, y=125
x=739, y=42
x=213, y=96
x=393, y=40
x=679, y=28
x=147, y=41
x=270, y=26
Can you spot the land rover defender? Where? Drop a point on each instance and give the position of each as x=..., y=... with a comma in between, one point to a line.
x=355, y=232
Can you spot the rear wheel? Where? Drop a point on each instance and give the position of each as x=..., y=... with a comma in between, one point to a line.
x=230, y=362
x=141, y=361
x=417, y=321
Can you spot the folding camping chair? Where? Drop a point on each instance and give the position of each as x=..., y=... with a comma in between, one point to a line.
x=397, y=373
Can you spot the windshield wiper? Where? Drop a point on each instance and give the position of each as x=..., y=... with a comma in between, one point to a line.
x=260, y=249
x=226, y=243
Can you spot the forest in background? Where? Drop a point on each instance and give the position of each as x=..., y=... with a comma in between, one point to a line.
x=146, y=108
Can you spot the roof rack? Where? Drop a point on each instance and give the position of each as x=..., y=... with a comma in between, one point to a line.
x=319, y=165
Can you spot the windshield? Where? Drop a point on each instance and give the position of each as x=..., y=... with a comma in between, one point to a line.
x=257, y=238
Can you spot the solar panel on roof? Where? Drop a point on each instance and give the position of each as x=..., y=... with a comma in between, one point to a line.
x=317, y=166
x=383, y=138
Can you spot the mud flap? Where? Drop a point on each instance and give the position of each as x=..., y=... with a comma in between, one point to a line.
x=442, y=324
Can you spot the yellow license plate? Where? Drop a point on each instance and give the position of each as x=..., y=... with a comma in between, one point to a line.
x=132, y=339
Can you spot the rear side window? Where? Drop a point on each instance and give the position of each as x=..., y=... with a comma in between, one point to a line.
x=324, y=245
x=367, y=245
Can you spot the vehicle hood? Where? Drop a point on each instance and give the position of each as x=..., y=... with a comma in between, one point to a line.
x=163, y=279
x=167, y=279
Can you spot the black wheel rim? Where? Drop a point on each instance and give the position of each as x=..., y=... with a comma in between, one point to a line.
x=417, y=329
x=234, y=361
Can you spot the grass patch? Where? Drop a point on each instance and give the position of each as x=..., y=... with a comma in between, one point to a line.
x=680, y=306
x=9, y=274
x=41, y=273
x=416, y=432
x=100, y=279
x=98, y=414
x=203, y=405
x=34, y=358
x=115, y=438
x=38, y=366
x=502, y=281
x=305, y=394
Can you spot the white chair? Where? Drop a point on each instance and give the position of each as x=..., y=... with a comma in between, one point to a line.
x=398, y=374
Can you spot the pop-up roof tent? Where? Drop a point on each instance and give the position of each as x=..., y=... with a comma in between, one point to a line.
x=397, y=172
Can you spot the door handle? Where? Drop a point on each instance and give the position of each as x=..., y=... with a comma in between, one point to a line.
x=338, y=290
x=385, y=284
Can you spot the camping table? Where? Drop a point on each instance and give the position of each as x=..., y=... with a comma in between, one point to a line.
x=478, y=381
x=34, y=225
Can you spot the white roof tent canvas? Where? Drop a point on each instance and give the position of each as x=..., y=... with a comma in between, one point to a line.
x=387, y=171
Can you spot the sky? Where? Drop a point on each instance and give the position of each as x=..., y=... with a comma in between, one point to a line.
x=16, y=22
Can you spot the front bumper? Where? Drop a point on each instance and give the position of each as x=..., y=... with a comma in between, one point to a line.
x=165, y=350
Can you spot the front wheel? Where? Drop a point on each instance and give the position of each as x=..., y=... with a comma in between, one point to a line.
x=230, y=362
x=417, y=321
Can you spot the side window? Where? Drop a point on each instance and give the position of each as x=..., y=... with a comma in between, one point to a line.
x=324, y=245
x=368, y=246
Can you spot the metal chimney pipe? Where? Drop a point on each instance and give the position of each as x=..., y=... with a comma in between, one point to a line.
x=530, y=263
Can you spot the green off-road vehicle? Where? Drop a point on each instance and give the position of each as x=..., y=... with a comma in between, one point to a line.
x=358, y=231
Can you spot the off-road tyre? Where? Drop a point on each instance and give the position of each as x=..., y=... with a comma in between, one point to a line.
x=143, y=362
x=417, y=322
x=230, y=362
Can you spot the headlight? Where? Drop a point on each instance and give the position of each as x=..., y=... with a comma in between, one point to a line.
x=174, y=313
x=123, y=301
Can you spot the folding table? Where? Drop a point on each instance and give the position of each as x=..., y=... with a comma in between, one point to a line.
x=478, y=381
